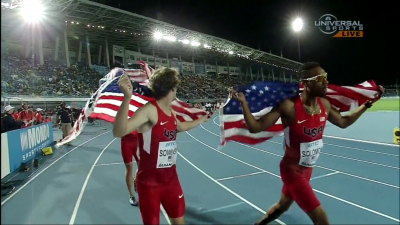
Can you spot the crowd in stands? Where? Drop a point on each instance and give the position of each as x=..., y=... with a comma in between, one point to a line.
x=204, y=86
x=21, y=77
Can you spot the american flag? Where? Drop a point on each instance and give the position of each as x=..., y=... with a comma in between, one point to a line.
x=263, y=96
x=106, y=101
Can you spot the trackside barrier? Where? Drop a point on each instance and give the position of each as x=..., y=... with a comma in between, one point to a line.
x=23, y=145
x=396, y=136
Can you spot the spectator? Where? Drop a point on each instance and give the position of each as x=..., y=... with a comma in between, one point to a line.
x=64, y=114
x=9, y=123
x=38, y=116
x=26, y=115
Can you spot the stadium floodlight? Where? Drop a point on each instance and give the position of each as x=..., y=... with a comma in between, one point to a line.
x=32, y=10
x=185, y=42
x=230, y=52
x=170, y=38
x=297, y=25
x=194, y=43
x=158, y=35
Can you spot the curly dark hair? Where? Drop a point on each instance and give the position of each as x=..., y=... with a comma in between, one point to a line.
x=162, y=81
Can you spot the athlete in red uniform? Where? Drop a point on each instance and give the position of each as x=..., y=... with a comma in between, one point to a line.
x=157, y=180
x=303, y=118
x=129, y=149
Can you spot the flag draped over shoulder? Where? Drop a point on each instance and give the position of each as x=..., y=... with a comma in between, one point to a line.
x=105, y=102
x=263, y=96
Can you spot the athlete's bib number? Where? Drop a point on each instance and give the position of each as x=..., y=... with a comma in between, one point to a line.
x=309, y=153
x=166, y=154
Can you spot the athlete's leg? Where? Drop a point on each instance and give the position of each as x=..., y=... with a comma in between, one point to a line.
x=127, y=152
x=173, y=202
x=318, y=216
x=149, y=197
x=128, y=178
x=134, y=176
x=277, y=209
x=136, y=156
x=305, y=197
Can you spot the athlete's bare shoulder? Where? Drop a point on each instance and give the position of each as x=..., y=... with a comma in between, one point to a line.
x=151, y=112
x=286, y=106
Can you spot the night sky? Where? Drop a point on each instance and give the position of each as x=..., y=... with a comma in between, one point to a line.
x=266, y=24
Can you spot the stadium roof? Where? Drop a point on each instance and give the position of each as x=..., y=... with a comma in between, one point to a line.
x=128, y=29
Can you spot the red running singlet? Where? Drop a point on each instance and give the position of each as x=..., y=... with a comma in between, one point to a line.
x=157, y=150
x=157, y=180
x=302, y=144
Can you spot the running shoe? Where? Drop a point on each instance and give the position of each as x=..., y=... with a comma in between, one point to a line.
x=133, y=201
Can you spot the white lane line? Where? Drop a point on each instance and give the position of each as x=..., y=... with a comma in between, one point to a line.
x=318, y=191
x=222, y=208
x=239, y=176
x=358, y=177
x=346, y=139
x=109, y=164
x=78, y=201
x=362, y=141
x=226, y=188
x=362, y=161
x=361, y=149
x=325, y=175
x=33, y=178
x=322, y=167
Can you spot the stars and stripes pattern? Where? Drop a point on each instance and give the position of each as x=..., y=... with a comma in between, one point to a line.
x=105, y=102
x=263, y=96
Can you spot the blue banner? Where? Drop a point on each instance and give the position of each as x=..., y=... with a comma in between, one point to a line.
x=24, y=144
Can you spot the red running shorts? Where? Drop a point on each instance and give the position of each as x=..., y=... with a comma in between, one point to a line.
x=169, y=195
x=129, y=148
x=296, y=186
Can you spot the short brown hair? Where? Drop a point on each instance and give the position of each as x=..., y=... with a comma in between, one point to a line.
x=162, y=81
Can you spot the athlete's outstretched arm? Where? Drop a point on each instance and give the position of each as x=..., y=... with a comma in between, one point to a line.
x=254, y=125
x=337, y=119
x=124, y=126
x=266, y=121
x=185, y=126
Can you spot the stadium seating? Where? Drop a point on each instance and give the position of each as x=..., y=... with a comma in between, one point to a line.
x=20, y=77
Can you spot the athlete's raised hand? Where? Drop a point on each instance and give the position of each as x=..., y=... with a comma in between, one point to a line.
x=381, y=90
x=125, y=84
x=369, y=103
x=205, y=118
x=237, y=96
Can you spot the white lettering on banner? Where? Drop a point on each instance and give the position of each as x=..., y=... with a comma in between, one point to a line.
x=309, y=152
x=167, y=152
x=24, y=140
x=36, y=150
x=32, y=137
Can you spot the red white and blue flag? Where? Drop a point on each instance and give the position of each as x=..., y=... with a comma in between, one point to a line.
x=263, y=96
x=105, y=102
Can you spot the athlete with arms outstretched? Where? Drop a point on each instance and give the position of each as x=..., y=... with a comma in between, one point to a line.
x=303, y=118
x=156, y=180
